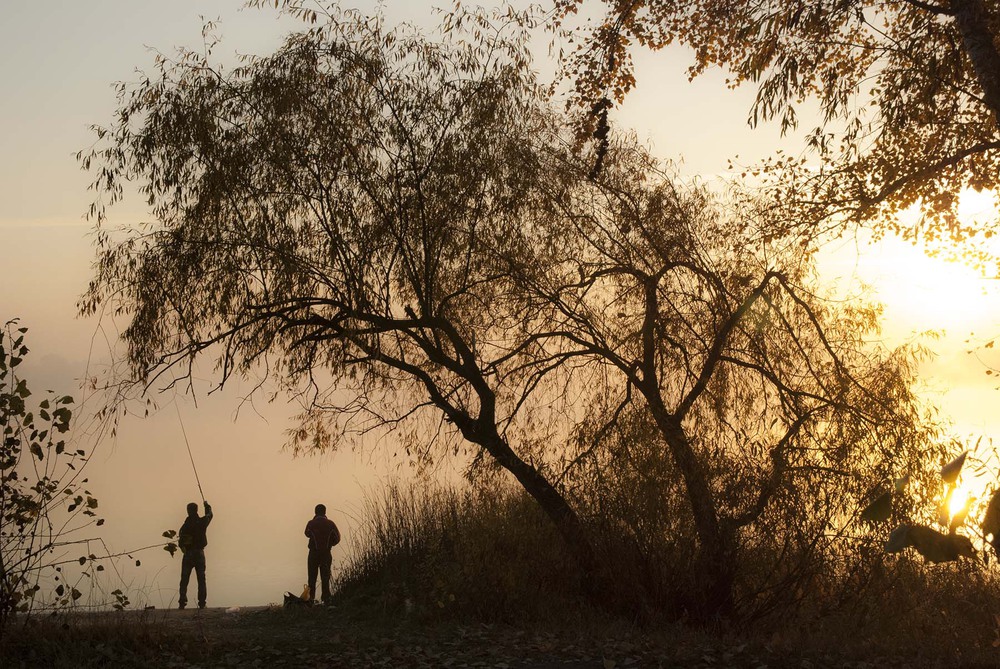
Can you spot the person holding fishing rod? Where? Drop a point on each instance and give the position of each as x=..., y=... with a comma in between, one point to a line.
x=193, y=538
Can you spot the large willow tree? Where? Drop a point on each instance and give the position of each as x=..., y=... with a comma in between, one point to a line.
x=767, y=402
x=341, y=215
x=398, y=229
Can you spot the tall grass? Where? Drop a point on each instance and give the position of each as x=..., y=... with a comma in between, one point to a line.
x=429, y=551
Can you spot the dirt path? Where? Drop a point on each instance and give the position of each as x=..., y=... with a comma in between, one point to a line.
x=262, y=637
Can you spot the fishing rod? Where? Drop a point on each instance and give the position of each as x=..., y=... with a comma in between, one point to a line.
x=190, y=455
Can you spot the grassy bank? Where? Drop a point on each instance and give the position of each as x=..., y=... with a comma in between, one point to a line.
x=445, y=555
x=445, y=577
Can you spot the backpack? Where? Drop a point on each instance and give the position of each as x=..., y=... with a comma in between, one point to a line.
x=293, y=602
x=185, y=541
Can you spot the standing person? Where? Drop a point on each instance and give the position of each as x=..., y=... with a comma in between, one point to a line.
x=323, y=536
x=192, y=540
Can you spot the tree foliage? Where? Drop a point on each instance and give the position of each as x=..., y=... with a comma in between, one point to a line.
x=339, y=214
x=909, y=94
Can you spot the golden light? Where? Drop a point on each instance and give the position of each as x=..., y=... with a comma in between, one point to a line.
x=921, y=292
x=932, y=293
x=961, y=497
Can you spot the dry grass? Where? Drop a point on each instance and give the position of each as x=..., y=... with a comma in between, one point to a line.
x=442, y=553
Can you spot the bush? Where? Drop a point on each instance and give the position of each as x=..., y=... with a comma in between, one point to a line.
x=43, y=505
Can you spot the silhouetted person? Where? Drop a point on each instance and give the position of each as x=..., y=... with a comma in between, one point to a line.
x=323, y=536
x=192, y=541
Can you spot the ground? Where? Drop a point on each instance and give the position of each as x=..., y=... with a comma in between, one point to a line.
x=273, y=637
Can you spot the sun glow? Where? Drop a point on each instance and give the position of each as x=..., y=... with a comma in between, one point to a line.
x=920, y=292
x=935, y=292
x=925, y=293
x=960, y=499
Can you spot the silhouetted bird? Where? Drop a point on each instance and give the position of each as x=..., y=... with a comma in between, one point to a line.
x=931, y=544
x=879, y=509
x=950, y=472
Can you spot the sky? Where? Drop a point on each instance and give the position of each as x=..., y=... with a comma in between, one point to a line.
x=62, y=58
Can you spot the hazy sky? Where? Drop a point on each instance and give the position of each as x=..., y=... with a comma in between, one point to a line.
x=61, y=59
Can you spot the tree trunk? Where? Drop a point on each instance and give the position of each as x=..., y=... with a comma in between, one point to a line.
x=716, y=557
x=972, y=20
x=553, y=503
x=482, y=430
x=567, y=522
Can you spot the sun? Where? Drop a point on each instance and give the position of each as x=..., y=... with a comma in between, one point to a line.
x=921, y=292
x=930, y=293
x=960, y=499
x=934, y=292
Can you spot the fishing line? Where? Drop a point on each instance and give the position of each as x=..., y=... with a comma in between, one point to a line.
x=190, y=455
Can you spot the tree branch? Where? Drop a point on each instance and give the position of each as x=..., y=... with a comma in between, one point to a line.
x=714, y=354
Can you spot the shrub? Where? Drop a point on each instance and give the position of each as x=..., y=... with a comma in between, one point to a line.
x=43, y=505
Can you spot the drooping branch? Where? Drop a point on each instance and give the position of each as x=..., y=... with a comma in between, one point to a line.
x=774, y=480
x=930, y=7
x=714, y=354
x=867, y=202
